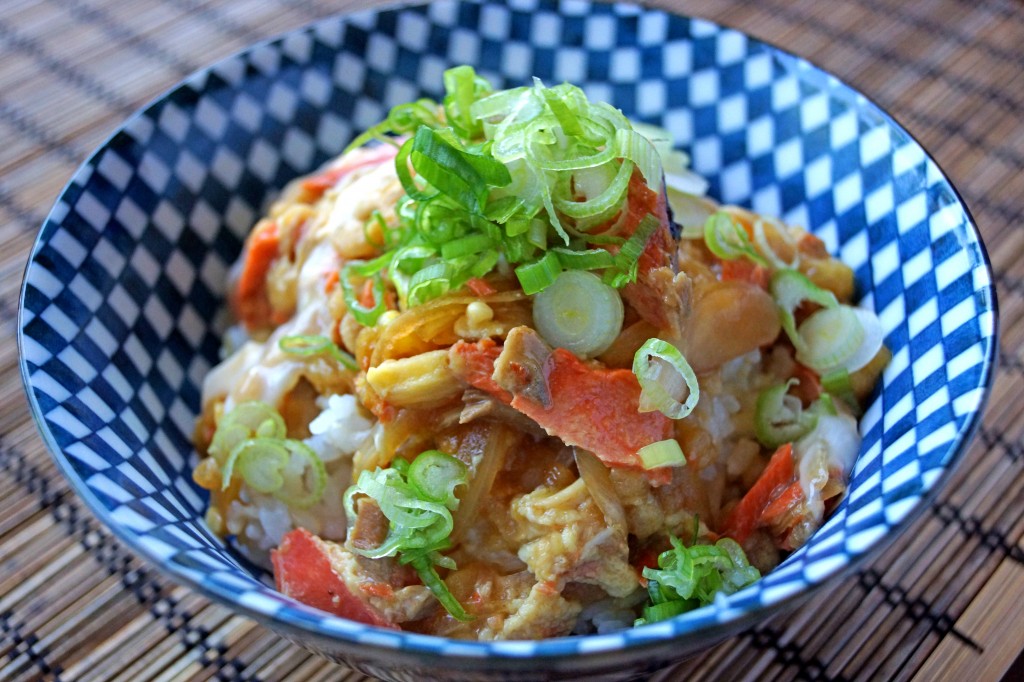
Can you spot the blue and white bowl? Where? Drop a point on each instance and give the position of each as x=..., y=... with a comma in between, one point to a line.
x=122, y=308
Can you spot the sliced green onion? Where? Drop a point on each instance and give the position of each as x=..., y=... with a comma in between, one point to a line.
x=831, y=337
x=638, y=149
x=588, y=259
x=435, y=475
x=492, y=178
x=727, y=239
x=602, y=204
x=305, y=345
x=417, y=499
x=790, y=288
x=260, y=462
x=824, y=405
x=251, y=419
x=265, y=459
x=428, y=574
x=761, y=239
x=627, y=260
x=464, y=88
x=656, y=613
x=837, y=383
x=567, y=116
x=539, y=275
x=698, y=573
x=663, y=453
x=304, y=477
x=460, y=175
x=578, y=312
x=872, y=343
x=429, y=283
x=466, y=246
x=779, y=417
x=366, y=316
x=663, y=374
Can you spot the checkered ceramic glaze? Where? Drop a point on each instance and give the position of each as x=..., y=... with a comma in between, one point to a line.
x=123, y=299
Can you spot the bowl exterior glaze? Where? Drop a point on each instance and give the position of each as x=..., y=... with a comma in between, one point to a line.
x=123, y=300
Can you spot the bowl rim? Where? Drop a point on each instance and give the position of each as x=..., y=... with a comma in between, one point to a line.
x=512, y=654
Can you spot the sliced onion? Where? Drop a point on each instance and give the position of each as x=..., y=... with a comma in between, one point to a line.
x=690, y=211
x=499, y=443
x=596, y=477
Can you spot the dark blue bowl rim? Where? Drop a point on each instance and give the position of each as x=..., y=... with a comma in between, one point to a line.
x=510, y=655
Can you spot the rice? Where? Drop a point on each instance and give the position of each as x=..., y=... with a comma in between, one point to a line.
x=259, y=521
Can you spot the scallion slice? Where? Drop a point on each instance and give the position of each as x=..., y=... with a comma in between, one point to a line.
x=727, y=239
x=779, y=417
x=435, y=475
x=496, y=177
x=578, y=312
x=663, y=453
x=310, y=345
x=831, y=337
x=265, y=459
x=365, y=315
x=539, y=275
x=417, y=499
x=664, y=376
x=790, y=288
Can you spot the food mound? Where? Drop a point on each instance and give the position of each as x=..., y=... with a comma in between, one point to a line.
x=502, y=372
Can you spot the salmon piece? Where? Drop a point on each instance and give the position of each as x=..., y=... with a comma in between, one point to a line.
x=743, y=270
x=315, y=185
x=659, y=294
x=776, y=479
x=250, y=297
x=303, y=571
x=591, y=407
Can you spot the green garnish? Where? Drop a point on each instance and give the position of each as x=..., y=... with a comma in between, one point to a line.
x=662, y=453
x=251, y=442
x=690, y=577
x=310, y=345
x=418, y=499
x=664, y=374
x=790, y=288
x=727, y=239
x=492, y=178
x=780, y=418
x=578, y=312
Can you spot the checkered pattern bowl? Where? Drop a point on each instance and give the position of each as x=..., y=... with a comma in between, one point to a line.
x=122, y=306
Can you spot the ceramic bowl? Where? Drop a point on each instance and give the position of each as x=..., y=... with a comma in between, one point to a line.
x=123, y=301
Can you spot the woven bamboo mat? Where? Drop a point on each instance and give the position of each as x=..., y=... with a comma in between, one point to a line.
x=944, y=602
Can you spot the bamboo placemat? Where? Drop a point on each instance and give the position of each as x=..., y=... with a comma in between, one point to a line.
x=944, y=602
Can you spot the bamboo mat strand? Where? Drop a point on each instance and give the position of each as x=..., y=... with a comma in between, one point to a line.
x=945, y=601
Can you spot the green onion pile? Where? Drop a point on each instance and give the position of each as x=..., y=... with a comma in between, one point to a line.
x=418, y=499
x=532, y=178
x=690, y=577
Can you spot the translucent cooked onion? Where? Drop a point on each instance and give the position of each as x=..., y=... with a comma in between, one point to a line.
x=599, y=484
x=500, y=441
